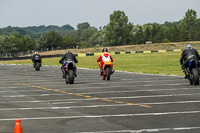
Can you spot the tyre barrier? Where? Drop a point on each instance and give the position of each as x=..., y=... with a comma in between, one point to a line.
x=87, y=54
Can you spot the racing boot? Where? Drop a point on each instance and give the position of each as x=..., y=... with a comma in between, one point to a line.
x=63, y=71
x=198, y=68
x=101, y=71
x=33, y=64
x=112, y=71
x=186, y=74
x=64, y=74
x=75, y=72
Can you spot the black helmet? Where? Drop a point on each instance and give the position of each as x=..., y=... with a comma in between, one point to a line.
x=104, y=50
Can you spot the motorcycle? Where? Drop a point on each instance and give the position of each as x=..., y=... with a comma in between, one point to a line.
x=68, y=69
x=107, y=70
x=193, y=72
x=37, y=65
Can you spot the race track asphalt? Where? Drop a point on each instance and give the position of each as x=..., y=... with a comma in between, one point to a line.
x=129, y=102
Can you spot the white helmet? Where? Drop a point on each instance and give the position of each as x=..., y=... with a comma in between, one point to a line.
x=188, y=46
x=68, y=51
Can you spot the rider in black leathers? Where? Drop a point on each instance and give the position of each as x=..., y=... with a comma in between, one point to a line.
x=188, y=54
x=66, y=57
x=36, y=57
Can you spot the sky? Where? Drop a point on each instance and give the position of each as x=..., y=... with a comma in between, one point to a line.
x=23, y=13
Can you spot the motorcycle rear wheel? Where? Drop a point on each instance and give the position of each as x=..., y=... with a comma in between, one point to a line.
x=195, y=76
x=71, y=76
x=190, y=81
x=37, y=66
x=108, y=73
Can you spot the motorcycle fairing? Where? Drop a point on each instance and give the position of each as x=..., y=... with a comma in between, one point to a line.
x=192, y=64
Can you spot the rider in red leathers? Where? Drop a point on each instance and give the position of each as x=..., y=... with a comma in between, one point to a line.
x=105, y=56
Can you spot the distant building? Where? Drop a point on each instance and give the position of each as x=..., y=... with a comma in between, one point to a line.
x=148, y=42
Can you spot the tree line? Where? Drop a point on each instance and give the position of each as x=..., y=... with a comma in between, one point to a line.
x=118, y=32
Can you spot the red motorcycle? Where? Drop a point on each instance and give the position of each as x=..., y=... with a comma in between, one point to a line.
x=107, y=70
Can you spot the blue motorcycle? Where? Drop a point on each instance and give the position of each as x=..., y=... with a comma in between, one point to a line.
x=193, y=72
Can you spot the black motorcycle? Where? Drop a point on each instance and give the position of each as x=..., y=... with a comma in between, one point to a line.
x=68, y=68
x=37, y=65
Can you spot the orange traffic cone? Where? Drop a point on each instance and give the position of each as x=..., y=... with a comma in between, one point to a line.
x=18, y=128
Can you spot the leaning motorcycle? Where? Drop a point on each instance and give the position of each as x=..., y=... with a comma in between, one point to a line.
x=107, y=70
x=193, y=72
x=69, y=68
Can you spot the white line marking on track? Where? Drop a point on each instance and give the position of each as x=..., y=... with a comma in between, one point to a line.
x=48, y=100
x=8, y=87
x=39, y=95
x=162, y=84
x=135, y=97
x=151, y=85
x=141, y=90
x=153, y=96
x=69, y=107
x=104, y=116
x=62, y=102
x=68, y=101
x=145, y=80
x=14, y=84
x=21, y=91
x=145, y=130
x=167, y=129
x=23, y=102
x=177, y=102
